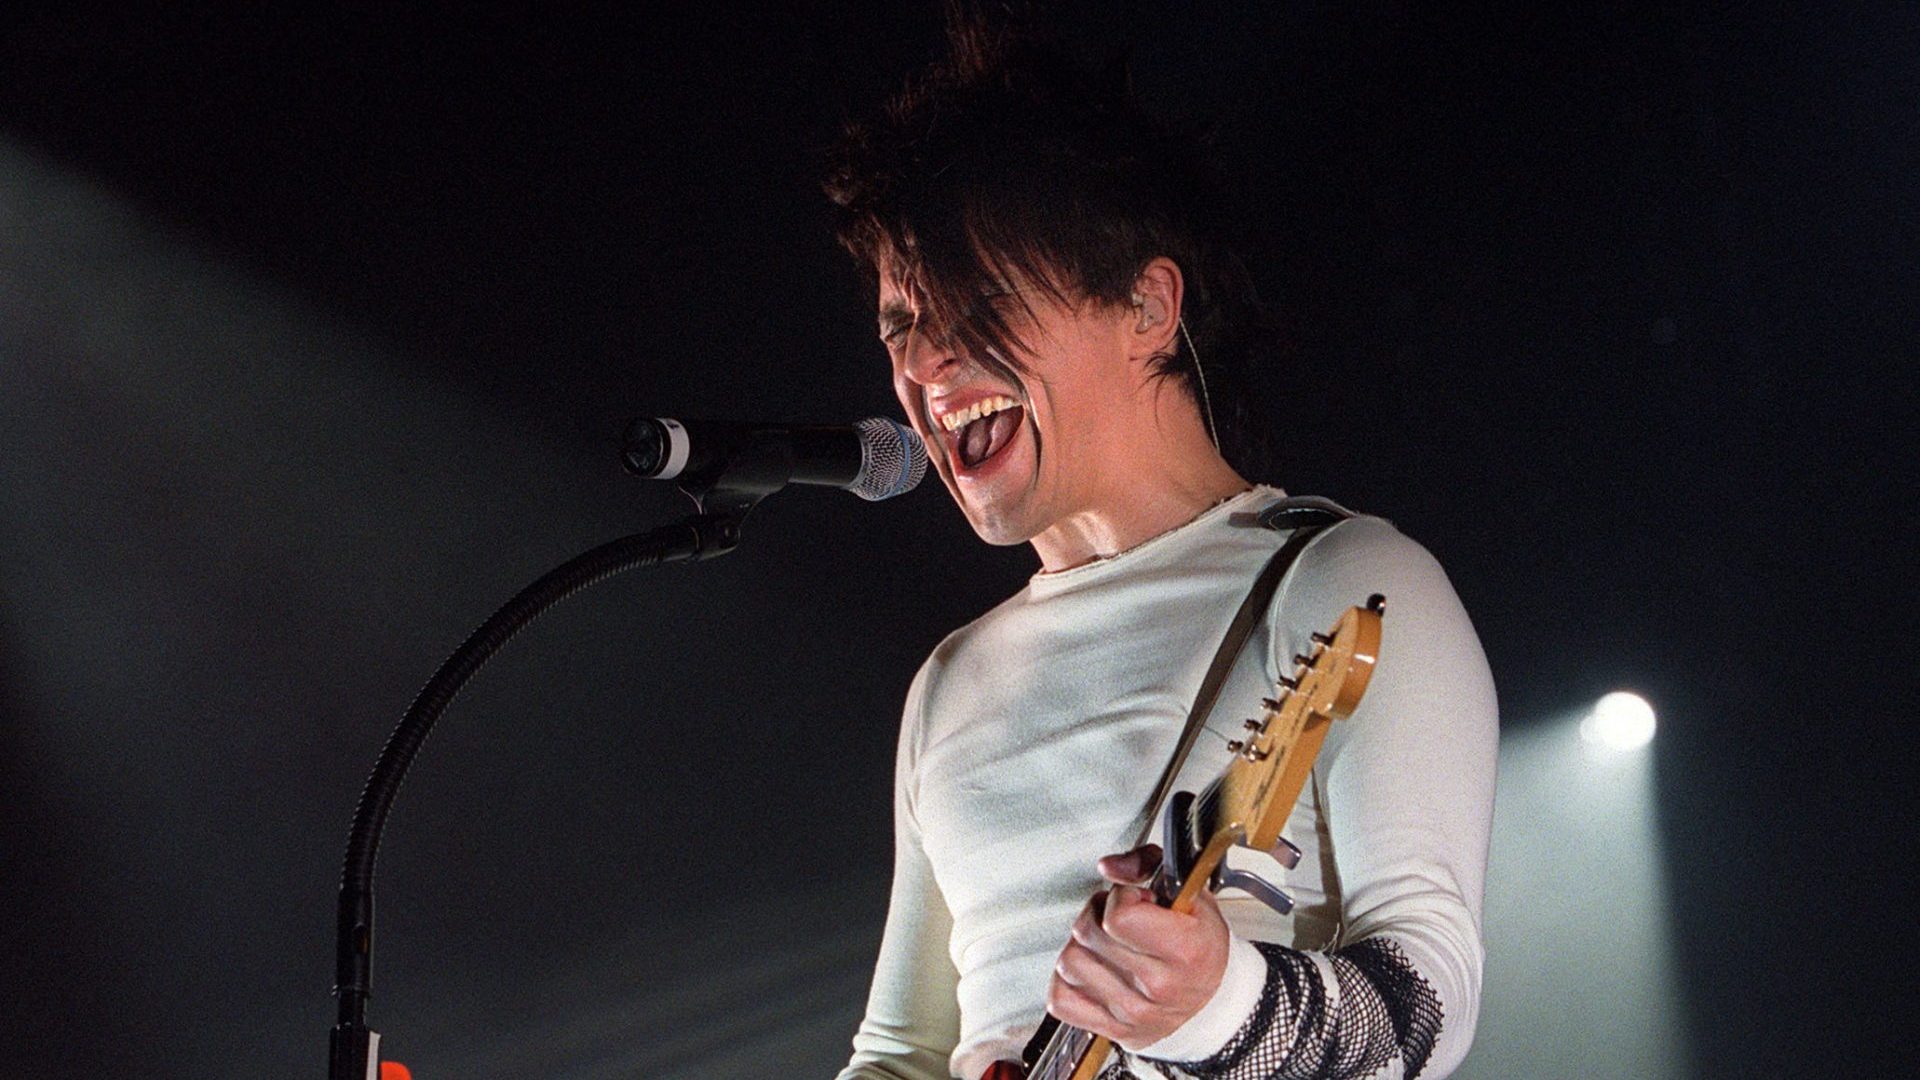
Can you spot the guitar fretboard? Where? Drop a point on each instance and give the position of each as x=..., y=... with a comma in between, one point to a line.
x=1064, y=1051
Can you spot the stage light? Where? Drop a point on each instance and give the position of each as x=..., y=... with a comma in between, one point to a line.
x=1619, y=721
x=1577, y=859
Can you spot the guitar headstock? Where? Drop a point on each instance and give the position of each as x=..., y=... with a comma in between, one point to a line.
x=1271, y=763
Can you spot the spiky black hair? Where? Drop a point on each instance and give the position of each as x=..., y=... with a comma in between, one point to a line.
x=1014, y=159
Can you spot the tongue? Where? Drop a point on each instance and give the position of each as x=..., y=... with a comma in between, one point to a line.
x=986, y=437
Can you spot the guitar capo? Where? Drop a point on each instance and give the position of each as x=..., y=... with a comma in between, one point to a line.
x=1179, y=848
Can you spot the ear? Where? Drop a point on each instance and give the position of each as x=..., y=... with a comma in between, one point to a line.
x=1155, y=323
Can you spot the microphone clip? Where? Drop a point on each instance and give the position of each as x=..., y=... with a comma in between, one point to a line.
x=735, y=467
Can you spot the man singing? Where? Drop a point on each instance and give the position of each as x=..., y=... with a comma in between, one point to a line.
x=1069, y=333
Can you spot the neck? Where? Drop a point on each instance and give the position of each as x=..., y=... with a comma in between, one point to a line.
x=1167, y=480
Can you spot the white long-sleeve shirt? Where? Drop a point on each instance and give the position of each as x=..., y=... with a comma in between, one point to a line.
x=1032, y=738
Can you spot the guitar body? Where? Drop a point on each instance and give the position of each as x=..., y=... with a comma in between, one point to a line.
x=1246, y=806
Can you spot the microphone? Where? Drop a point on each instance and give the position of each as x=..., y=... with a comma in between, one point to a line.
x=875, y=458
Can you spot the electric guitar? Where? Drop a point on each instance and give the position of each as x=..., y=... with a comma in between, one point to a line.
x=1246, y=805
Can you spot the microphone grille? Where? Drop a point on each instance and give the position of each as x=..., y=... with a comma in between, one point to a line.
x=892, y=459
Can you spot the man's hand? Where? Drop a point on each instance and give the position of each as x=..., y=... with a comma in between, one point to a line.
x=1135, y=971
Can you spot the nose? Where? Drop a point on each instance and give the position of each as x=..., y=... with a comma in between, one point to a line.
x=928, y=357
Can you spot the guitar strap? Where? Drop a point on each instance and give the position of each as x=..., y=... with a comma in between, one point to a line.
x=1303, y=517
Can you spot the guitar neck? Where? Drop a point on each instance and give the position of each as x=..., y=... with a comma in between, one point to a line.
x=1248, y=805
x=1071, y=1054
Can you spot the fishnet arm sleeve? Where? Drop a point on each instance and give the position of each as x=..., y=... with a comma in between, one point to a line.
x=1347, y=1015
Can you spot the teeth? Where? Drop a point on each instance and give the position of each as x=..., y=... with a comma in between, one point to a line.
x=954, y=421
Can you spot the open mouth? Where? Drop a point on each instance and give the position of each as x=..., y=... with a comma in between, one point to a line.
x=979, y=441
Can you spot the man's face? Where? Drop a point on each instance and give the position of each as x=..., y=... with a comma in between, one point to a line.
x=1020, y=453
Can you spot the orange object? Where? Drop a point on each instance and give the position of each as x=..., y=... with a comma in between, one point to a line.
x=393, y=1070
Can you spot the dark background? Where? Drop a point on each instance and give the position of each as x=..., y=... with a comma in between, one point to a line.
x=317, y=331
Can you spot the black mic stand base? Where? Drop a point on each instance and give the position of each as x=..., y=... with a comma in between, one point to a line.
x=353, y=1053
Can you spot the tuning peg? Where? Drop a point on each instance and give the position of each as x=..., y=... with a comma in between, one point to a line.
x=1250, y=725
x=1248, y=750
x=1270, y=704
x=1286, y=854
x=1291, y=684
x=1377, y=604
x=1322, y=639
x=1303, y=661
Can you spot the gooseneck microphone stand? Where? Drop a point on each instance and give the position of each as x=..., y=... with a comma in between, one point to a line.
x=725, y=490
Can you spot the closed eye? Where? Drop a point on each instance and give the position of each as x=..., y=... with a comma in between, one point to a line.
x=896, y=318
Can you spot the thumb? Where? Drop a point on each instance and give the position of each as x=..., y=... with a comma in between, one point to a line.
x=1132, y=867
